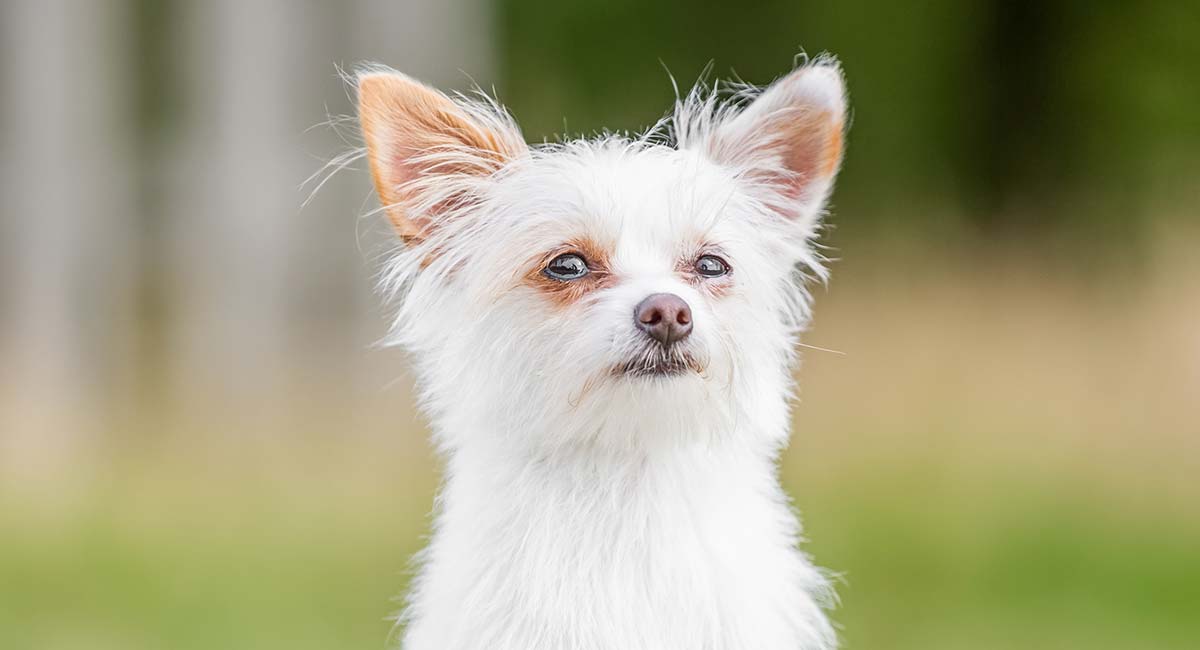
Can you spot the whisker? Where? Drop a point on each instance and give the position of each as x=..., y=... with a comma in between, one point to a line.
x=329, y=170
x=814, y=347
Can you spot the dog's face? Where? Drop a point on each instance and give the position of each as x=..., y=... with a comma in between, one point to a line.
x=616, y=290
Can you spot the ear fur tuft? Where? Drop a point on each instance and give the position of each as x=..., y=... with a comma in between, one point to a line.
x=791, y=134
x=414, y=133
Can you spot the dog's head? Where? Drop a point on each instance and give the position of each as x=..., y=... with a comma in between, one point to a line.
x=608, y=287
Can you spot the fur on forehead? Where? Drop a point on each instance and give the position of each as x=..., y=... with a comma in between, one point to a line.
x=451, y=169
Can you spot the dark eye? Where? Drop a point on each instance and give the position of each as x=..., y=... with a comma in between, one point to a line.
x=711, y=266
x=565, y=267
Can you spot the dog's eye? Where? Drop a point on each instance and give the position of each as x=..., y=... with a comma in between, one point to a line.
x=565, y=267
x=711, y=266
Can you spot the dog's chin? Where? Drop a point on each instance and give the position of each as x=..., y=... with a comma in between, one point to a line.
x=659, y=366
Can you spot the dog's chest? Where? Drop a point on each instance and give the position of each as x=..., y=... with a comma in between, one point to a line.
x=669, y=560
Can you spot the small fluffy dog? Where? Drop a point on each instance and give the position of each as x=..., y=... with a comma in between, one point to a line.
x=604, y=331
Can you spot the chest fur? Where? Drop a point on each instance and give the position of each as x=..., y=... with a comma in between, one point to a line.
x=697, y=556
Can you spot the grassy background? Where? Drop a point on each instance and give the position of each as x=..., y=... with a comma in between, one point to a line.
x=1014, y=564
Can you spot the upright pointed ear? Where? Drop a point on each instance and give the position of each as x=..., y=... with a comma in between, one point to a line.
x=790, y=137
x=417, y=138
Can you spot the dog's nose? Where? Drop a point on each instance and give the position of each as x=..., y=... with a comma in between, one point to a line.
x=665, y=317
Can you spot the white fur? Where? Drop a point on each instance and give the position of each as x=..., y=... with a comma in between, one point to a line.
x=583, y=510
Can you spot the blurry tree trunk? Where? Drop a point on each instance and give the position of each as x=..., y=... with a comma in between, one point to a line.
x=233, y=203
x=1016, y=143
x=245, y=332
x=154, y=255
x=69, y=247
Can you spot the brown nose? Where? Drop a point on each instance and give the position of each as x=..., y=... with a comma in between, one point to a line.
x=665, y=317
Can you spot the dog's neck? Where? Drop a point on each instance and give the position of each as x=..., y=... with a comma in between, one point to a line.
x=667, y=470
x=619, y=461
x=693, y=540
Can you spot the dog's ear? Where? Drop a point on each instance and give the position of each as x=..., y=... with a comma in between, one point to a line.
x=416, y=135
x=790, y=137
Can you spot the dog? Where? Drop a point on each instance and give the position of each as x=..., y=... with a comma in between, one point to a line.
x=604, y=332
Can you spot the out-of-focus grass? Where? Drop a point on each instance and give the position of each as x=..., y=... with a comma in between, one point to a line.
x=1005, y=457
x=205, y=557
x=1005, y=565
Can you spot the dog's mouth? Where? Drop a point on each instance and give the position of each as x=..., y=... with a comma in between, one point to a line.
x=658, y=362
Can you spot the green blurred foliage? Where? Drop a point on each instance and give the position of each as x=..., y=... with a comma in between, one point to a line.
x=1010, y=113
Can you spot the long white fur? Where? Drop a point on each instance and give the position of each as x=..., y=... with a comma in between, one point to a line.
x=582, y=510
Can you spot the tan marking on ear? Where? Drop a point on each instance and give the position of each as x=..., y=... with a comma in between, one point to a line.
x=833, y=149
x=403, y=119
x=811, y=147
x=561, y=293
x=790, y=136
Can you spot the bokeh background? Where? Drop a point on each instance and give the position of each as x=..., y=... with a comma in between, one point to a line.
x=200, y=447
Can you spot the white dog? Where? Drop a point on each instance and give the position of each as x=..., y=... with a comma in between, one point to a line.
x=604, y=332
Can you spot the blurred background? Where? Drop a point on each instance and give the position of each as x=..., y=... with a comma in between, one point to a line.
x=200, y=448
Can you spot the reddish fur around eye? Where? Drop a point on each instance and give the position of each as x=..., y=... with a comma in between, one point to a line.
x=566, y=293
